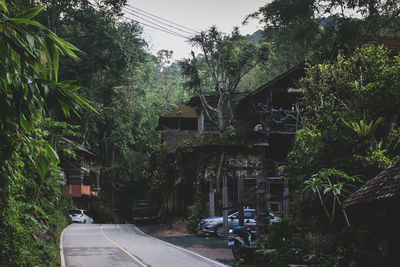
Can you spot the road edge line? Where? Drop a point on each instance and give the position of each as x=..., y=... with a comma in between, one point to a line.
x=61, y=249
x=181, y=248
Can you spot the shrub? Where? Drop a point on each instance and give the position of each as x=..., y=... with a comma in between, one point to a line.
x=195, y=216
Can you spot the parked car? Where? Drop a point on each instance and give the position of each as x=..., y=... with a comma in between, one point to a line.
x=80, y=216
x=214, y=225
x=144, y=211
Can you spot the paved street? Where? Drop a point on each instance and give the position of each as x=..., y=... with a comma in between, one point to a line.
x=122, y=245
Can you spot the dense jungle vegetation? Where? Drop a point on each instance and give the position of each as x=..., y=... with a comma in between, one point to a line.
x=73, y=68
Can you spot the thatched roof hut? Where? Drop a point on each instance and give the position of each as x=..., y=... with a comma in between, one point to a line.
x=385, y=187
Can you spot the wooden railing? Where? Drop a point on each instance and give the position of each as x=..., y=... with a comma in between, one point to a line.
x=76, y=190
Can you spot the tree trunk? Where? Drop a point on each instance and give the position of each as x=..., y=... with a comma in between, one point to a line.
x=225, y=203
x=220, y=119
x=218, y=180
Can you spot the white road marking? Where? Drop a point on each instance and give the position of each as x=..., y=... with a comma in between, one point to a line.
x=62, y=259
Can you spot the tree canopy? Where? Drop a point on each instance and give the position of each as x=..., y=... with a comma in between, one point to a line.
x=225, y=59
x=313, y=26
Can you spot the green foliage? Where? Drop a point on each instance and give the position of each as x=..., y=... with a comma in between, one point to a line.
x=331, y=184
x=311, y=27
x=129, y=88
x=332, y=98
x=33, y=210
x=195, y=215
x=362, y=129
x=283, y=244
x=349, y=135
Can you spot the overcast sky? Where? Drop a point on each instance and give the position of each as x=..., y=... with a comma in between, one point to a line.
x=193, y=14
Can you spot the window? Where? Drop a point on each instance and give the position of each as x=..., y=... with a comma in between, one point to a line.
x=275, y=207
x=249, y=215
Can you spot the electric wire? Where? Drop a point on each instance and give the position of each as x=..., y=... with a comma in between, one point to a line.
x=137, y=13
x=158, y=22
x=158, y=27
x=148, y=13
x=155, y=25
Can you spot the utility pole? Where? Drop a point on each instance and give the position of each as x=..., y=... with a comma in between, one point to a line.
x=240, y=186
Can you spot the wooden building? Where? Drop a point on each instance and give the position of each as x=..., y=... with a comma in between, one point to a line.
x=265, y=122
x=82, y=176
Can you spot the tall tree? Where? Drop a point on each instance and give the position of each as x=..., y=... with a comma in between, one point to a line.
x=315, y=25
x=31, y=202
x=223, y=62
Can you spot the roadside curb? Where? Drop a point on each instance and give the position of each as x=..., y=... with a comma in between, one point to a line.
x=183, y=249
x=61, y=249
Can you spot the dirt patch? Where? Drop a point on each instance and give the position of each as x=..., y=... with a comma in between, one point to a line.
x=174, y=228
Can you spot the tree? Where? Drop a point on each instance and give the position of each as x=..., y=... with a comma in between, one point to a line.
x=31, y=200
x=225, y=60
x=349, y=135
x=314, y=26
x=29, y=77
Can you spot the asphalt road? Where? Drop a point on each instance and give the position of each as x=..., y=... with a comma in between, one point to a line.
x=115, y=245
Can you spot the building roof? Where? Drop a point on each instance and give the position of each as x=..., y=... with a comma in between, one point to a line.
x=184, y=111
x=390, y=42
x=385, y=186
x=81, y=148
x=213, y=98
x=295, y=72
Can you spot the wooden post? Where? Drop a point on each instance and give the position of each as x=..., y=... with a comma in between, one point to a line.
x=211, y=198
x=225, y=203
x=286, y=197
x=240, y=197
x=262, y=211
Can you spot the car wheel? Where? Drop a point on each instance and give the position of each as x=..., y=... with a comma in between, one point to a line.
x=219, y=231
x=84, y=221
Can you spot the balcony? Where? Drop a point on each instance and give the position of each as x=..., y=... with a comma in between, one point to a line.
x=76, y=190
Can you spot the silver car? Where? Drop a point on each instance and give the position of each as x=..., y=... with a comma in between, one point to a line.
x=80, y=216
x=214, y=225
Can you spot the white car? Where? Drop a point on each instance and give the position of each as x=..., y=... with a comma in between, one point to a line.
x=79, y=216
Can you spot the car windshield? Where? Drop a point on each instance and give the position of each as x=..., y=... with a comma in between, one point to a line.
x=74, y=212
x=249, y=215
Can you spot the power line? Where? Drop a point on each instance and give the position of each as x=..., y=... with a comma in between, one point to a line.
x=158, y=21
x=156, y=26
x=142, y=23
x=141, y=10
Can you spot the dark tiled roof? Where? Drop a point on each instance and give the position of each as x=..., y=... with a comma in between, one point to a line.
x=212, y=99
x=182, y=112
x=81, y=148
x=295, y=72
x=391, y=42
x=384, y=186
